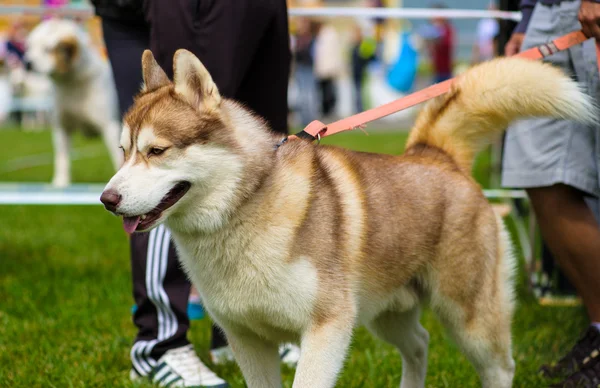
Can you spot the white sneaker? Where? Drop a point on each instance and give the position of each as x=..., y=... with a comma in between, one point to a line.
x=181, y=367
x=222, y=355
x=289, y=354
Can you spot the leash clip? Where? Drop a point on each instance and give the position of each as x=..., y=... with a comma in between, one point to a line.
x=282, y=142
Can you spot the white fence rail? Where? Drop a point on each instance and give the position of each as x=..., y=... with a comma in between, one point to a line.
x=89, y=194
x=356, y=12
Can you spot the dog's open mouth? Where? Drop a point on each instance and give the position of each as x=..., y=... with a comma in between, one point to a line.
x=145, y=221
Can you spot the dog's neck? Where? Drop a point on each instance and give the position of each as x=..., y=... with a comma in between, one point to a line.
x=251, y=132
x=247, y=171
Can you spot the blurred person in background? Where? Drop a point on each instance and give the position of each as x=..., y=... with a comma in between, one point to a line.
x=248, y=56
x=15, y=43
x=303, y=71
x=440, y=41
x=14, y=52
x=363, y=52
x=5, y=86
x=378, y=23
x=557, y=163
x=488, y=29
x=328, y=65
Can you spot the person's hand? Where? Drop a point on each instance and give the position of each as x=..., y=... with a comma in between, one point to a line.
x=589, y=17
x=513, y=46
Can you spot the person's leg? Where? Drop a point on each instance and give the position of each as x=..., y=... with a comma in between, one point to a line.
x=572, y=234
x=558, y=194
x=264, y=85
x=358, y=90
x=547, y=270
x=218, y=339
x=307, y=101
x=125, y=45
x=556, y=161
x=228, y=59
x=161, y=350
x=199, y=25
x=322, y=90
x=441, y=77
x=329, y=98
x=264, y=89
x=161, y=292
x=231, y=46
x=326, y=90
x=334, y=94
x=160, y=287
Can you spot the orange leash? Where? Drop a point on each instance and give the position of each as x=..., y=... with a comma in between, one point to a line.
x=317, y=130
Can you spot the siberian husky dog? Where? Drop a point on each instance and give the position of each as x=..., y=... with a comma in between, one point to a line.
x=301, y=242
x=84, y=92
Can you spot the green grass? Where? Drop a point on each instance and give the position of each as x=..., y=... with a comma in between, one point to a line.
x=65, y=293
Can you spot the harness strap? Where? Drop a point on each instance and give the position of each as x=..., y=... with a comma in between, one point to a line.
x=317, y=129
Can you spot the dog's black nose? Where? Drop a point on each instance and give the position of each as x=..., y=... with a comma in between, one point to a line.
x=110, y=199
x=28, y=66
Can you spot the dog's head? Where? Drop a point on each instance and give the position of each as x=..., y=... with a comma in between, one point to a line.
x=54, y=47
x=181, y=143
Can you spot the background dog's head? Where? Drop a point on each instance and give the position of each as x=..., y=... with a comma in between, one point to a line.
x=181, y=143
x=54, y=47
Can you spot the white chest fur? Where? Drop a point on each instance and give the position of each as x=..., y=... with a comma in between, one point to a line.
x=245, y=280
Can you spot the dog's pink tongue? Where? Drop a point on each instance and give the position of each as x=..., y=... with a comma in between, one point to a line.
x=130, y=223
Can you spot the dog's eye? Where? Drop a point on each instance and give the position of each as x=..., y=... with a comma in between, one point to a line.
x=156, y=151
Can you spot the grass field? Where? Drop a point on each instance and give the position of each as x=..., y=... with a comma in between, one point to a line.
x=65, y=292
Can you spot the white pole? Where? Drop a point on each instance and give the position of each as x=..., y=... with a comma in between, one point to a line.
x=356, y=12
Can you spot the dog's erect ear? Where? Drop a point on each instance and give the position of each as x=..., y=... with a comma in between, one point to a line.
x=154, y=77
x=193, y=82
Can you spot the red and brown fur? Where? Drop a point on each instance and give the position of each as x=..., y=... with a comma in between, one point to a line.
x=305, y=242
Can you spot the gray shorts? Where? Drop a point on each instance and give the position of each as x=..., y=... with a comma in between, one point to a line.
x=544, y=152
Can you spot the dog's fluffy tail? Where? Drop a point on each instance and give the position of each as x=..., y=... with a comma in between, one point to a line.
x=487, y=98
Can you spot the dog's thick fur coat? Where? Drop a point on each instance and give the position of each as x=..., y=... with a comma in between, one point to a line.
x=305, y=242
x=84, y=93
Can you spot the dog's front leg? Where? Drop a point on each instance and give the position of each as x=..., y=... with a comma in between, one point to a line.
x=258, y=359
x=323, y=350
x=62, y=165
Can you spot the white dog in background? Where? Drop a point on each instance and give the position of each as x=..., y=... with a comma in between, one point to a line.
x=84, y=93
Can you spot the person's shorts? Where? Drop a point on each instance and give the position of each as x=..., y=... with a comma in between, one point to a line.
x=544, y=152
